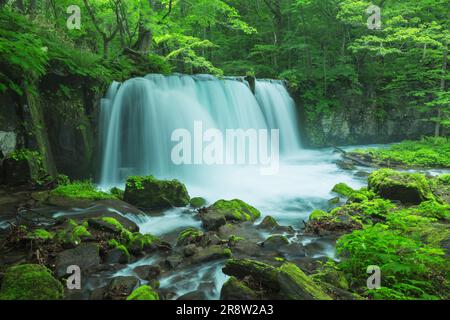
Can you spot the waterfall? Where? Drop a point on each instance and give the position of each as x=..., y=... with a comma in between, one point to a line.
x=139, y=116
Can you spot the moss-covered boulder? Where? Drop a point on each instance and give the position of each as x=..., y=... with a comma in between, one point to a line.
x=198, y=202
x=151, y=193
x=30, y=282
x=233, y=289
x=296, y=285
x=143, y=293
x=409, y=188
x=228, y=210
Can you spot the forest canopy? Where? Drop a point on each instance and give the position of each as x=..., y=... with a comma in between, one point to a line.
x=325, y=48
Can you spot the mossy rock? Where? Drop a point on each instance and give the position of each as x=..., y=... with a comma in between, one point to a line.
x=144, y=293
x=268, y=223
x=408, y=188
x=77, y=194
x=198, y=202
x=189, y=235
x=151, y=193
x=30, y=282
x=260, y=272
x=236, y=210
x=343, y=190
x=233, y=289
x=296, y=285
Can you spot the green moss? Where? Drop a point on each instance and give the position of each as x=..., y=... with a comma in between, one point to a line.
x=190, y=235
x=81, y=190
x=143, y=293
x=113, y=243
x=30, y=282
x=198, y=202
x=236, y=210
x=73, y=233
x=433, y=209
x=343, y=189
x=142, y=241
x=227, y=253
x=234, y=239
x=151, y=193
x=430, y=152
x=410, y=188
x=302, y=286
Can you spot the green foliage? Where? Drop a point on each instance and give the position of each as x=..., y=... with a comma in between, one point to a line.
x=408, y=266
x=73, y=233
x=343, y=189
x=429, y=153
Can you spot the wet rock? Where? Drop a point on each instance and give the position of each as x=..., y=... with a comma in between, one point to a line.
x=212, y=220
x=117, y=256
x=345, y=164
x=233, y=289
x=190, y=250
x=121, y=287
x=86, y=256
x=98, y=293
x=275, y=242
x=151, y=193
x=95, y=221
x=211, y=253
x=174, y=261
x=194, y=295
x=362, y=174
x=409, y=188
x=148, y=272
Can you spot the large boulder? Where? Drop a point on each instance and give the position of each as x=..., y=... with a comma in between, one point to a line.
x=86, y=256
x=408, y=188
x=233, y=289
x=22, y=167
x=151, y=193
x=30, y=282
x=228, y=210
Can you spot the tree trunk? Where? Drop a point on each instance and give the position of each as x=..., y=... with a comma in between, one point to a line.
x=437, y=128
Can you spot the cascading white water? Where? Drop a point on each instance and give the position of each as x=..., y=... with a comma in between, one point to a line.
x=139, y=116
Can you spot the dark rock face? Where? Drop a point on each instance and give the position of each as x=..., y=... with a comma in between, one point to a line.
x=17, y=172
x=148, y=272
x=359, y=123
x=86, y=256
